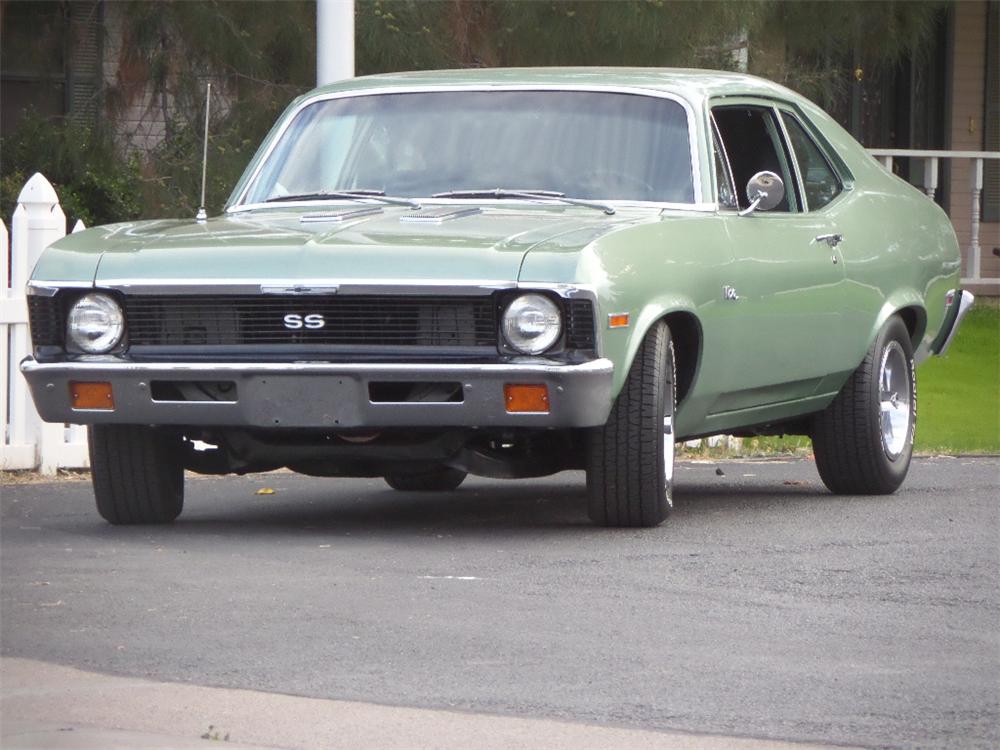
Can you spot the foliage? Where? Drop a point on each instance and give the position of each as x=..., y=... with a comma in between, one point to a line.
x=408, y=34
x=829, y=46
x=257, y=60
x=873, y=31
x=260, y=55
x=93, y=182
x=814, y=47
x=174, y=185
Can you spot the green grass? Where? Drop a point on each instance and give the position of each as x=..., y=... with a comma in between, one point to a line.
x=958, y=395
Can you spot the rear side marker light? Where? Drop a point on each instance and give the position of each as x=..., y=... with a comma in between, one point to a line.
x=91, y=396
x=526, y=398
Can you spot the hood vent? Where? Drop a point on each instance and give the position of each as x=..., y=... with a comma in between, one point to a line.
x=340, y=215
x=439, y=215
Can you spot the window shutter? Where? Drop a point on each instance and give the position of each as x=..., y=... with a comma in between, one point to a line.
x=991, y=117
x=84, y=69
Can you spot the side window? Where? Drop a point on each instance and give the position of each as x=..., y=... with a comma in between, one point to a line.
x=753, y=142
x=723, y=175
x=820, y=182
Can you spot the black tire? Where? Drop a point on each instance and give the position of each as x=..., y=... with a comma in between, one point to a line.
x=441, y=479
x=855, y=454
x=138, y=474
x=627, y=476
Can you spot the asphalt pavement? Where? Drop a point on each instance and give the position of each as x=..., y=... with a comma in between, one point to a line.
x=764, y=608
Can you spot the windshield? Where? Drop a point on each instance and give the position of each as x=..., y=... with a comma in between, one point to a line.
x=591, y=145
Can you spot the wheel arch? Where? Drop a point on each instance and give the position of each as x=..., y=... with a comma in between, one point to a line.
x=686, y=333
x=685, y=330
x=908, y=304
x=915, y=319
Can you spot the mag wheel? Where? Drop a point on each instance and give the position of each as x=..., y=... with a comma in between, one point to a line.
x=630, y=465
x=137, y=472
x=864, y=440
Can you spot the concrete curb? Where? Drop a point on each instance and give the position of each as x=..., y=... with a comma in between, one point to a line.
x=48, y=706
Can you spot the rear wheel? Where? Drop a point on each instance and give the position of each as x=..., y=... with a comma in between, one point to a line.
x=137, y=472
x=441, y=479
x=863, y=441
x=630, y=464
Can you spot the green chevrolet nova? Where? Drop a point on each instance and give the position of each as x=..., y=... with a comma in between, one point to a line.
x=508, y=273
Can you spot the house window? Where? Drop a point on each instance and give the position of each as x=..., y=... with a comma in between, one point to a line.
x=50, y=61
x=32, y=62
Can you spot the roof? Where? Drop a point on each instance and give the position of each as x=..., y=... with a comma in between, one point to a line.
x=689, y=83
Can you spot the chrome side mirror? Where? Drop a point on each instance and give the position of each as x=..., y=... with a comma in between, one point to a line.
x=765, y=190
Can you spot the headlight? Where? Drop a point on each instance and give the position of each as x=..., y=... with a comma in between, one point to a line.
x=531, y=323
x=95, y=323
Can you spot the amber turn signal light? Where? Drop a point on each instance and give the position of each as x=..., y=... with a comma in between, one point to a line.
x=618, y=320
x=526, y=398
x=91, y=396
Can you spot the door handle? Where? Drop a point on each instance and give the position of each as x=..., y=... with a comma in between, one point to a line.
x=830, y=239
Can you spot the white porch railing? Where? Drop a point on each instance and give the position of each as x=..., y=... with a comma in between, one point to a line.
x=932, y=160
x=25, y=441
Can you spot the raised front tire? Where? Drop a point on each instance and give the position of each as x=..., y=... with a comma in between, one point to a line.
x=630, y=462
x=863, y=441
x=440, y=479
x=137, y=472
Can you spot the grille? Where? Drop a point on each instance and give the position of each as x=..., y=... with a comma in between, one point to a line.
x=356, y=320
x=45, y=320
x=579, y=324
x=259, y=319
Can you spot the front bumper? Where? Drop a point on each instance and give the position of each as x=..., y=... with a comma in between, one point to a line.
x=322, y=395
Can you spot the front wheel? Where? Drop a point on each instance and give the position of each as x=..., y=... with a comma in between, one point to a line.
x=863, y=441
x=630, y=463
x=137, y=472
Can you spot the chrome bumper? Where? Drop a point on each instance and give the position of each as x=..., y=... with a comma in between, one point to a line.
x=960, y=305
x=323, y=395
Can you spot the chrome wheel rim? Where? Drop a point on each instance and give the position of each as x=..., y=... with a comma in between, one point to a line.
x=894, y=396
x=668, y=444
x=668, y=458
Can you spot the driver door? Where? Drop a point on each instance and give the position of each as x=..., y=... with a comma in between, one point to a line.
x=781, y=299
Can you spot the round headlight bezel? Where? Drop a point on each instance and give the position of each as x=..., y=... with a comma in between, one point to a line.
x=532, y=324
x=95, y=324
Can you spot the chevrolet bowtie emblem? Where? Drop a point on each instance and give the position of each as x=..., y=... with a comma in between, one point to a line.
x=298, y=289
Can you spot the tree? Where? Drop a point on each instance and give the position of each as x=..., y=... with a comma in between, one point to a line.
x=260, y=55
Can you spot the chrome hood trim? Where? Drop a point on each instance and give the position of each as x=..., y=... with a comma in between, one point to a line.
x=436, y=287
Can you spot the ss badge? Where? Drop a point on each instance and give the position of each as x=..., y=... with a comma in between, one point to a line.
x=295, y=321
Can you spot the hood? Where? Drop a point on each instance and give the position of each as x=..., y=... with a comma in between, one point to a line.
x=356, y=244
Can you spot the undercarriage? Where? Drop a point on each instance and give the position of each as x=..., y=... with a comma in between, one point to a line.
x=509, y=453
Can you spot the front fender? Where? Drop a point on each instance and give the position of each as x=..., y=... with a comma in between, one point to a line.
x=671, y=263
x=622, y=344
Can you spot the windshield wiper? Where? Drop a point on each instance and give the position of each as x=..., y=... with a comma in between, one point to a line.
x=537, y=194
x=375, y=195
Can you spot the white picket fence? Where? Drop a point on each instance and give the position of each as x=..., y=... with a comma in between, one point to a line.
x=25, y=441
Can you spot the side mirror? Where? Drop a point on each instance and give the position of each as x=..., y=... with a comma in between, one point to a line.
x=765, y=190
